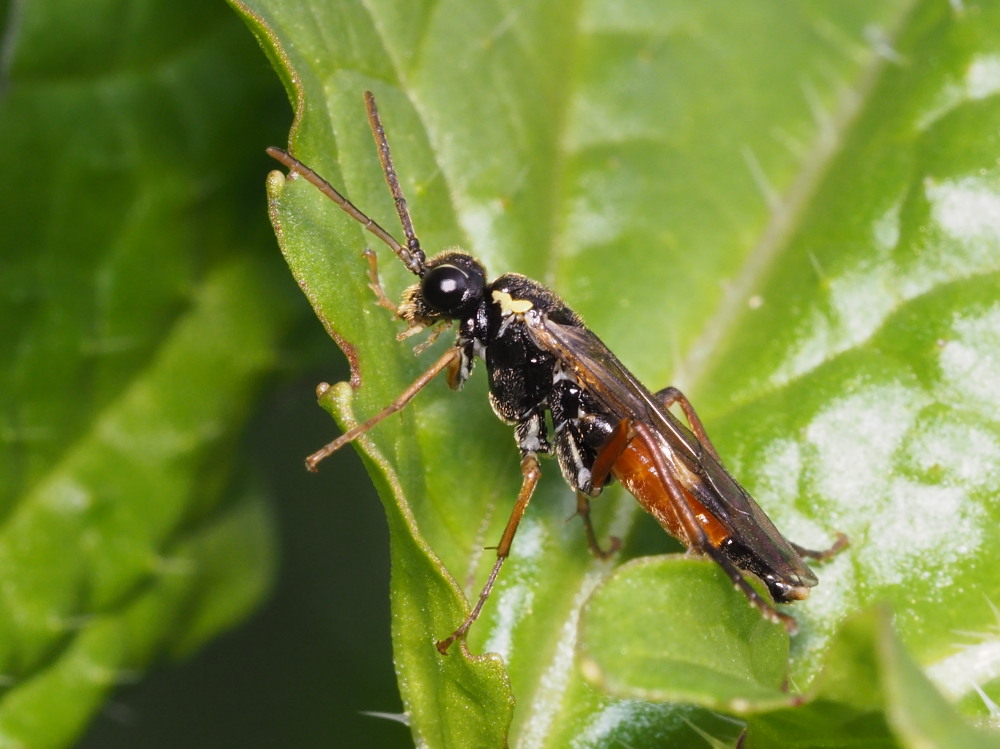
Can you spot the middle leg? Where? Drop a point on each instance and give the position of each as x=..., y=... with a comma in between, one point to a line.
x=531, y=472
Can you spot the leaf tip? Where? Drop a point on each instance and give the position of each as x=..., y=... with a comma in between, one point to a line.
x=275, y=184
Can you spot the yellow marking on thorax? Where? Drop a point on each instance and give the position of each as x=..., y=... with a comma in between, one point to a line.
x=509, y=305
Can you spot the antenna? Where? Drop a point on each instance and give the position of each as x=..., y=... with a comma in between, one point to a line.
x=411, y=254
x=385, y=156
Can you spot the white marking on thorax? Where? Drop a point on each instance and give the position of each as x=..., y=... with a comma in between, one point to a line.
x=559, y=373
x=509, y=305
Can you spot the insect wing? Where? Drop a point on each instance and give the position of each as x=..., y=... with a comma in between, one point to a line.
x=608, y=380
x=596, y=367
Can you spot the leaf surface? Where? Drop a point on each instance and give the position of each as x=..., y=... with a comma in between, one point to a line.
x=805, y=242
x=135, y=324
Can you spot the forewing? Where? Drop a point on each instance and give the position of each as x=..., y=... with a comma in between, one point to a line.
x=607, y=379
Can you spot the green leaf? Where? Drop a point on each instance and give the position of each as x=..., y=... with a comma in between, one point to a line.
x=135, y=325
x=871, y=693
x=734, y=662
x=217, y=574
x=786, y=208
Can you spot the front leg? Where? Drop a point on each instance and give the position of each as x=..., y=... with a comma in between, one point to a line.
x=376, y=285
x=447, y=361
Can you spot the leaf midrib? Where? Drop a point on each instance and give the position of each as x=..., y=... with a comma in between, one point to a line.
x=787, y=213
x=785, y=216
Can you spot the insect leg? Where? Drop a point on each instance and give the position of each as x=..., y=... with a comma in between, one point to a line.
x=583, y=510
x=610, y=452
x=600, y=471
x=531, y=472
x=671, y=395
x=838, y=545
x=376, y=285
x=697, y=539
x=449, y=357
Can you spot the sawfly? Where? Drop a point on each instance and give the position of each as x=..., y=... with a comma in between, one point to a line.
x=566, y=393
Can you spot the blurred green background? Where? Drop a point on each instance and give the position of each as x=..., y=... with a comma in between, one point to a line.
x=133, y=168
x=304, y=667
x=159, y=363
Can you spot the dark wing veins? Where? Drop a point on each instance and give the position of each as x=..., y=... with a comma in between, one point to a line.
x=608, y=380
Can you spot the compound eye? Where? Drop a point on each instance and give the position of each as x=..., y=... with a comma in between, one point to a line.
x=446, y=288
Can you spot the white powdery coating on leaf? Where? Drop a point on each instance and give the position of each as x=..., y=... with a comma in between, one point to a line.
x=619, y=718
x=855, y=437
x=958, y=674
x=905, y=529
x=970, y=366
x=929, y=530
x=968, y=454
x=962, y=237
x=593, y=223
x=885, y=229
x=479, y=221
x=811, y=348
x=546, y=702
x=514, y=600
x=982, y=78
x=861, y=300
x=944, y=100
x=779, y=472
x=967, y=209
x=67, y=495
x=777, y=482
x=819, y=616
x=778, y=486
x=531, y=538
x=512, y=605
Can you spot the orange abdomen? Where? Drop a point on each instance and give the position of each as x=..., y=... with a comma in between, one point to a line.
x=637, y=472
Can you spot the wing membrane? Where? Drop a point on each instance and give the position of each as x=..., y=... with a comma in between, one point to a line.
x=608, y=380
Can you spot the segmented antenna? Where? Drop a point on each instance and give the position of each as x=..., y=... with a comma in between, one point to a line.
x=411, y=254
x=385, y=156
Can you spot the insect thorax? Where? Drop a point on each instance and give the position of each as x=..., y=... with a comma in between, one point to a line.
x=529, y=387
